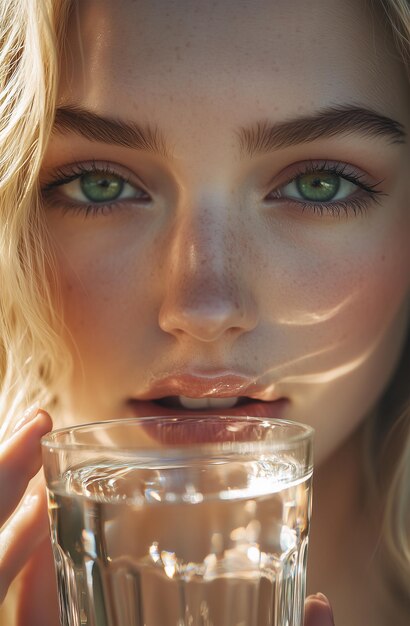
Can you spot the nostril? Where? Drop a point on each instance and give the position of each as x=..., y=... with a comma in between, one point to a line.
x=205, y=323
x=206, y=304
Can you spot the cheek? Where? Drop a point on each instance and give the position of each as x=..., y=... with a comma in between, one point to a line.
x=328, y=292
x=341, y=329
x=105, y=287
x=354, y=300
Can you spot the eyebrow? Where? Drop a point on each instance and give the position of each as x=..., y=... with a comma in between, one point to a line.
x=80, y=121
x=329, y=122
x=259, y=138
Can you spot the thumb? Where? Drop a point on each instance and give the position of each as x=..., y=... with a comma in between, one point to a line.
x=318, y=611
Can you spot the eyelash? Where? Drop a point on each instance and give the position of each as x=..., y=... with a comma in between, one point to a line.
x=63, y=176
x=353, y=205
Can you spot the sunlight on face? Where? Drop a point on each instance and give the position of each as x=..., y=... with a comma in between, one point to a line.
x=243, y=209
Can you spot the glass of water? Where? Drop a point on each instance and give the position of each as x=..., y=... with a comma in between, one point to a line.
x=180, y=521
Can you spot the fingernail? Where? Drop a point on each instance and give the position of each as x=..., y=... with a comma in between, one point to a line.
x=324, y=599
x=30, y=499
x=321, y=596
x=28, y=415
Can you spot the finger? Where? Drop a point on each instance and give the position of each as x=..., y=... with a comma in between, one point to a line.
x=20, y=537
x=318, y=611
x=20, y=460
x=39, y=599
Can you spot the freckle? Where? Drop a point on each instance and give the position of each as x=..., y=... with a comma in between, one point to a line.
x=188, y=44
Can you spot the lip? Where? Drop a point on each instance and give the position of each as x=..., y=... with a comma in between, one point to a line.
x=257, y=401
x=214, y=385
x=210, y=430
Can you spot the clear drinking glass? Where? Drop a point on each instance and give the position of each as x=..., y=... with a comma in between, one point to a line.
x=179, y=521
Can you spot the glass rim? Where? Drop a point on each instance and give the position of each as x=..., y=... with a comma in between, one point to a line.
x=305, y=435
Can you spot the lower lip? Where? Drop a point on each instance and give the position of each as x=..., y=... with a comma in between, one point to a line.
x=210, y=430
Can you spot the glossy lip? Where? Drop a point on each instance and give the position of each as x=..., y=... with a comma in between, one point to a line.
x=270, y=410
x=203, y=426
x=201, y=429
x=212, y=385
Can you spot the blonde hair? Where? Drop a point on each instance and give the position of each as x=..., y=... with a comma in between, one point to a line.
x=31, y=357
x=396, y=521
x=32, y=361
x=397, y=13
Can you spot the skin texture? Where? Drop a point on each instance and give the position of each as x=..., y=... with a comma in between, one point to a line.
x=206, y=276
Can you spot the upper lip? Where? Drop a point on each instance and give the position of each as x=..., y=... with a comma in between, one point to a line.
x=208, y=386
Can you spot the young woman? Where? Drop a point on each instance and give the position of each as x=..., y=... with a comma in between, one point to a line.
x=193, y=193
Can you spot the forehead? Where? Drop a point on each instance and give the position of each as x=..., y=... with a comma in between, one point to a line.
x=189, y=57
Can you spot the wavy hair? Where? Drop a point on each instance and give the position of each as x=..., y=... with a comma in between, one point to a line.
x=33, y=363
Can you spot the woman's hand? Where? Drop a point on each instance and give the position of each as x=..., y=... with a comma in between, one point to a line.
x=24, y=537
x=318, y=611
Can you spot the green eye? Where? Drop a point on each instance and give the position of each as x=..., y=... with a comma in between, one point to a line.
x=101, y=187
x=326, y=188
x=98, y=189
x=319, y=186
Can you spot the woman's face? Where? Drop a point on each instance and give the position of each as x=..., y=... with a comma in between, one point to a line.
x=255, y=243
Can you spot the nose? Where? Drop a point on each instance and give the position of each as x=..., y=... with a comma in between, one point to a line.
x=206, y=293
